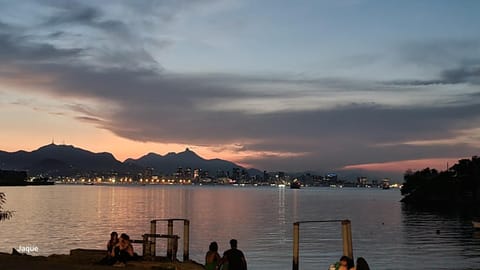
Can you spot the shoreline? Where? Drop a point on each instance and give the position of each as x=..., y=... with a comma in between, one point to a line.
x=80, y=259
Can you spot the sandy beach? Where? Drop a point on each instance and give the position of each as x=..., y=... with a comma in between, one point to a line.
x=84, y=259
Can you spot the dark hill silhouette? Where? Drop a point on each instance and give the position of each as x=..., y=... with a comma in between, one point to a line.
x=67, y=160
x=60, y=160
x=169, y=163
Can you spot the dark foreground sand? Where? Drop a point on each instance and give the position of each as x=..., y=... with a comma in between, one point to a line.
x=83, y=260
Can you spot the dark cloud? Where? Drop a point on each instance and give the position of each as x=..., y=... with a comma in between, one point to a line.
x=83, y=15
x=57, y=34
x=170, y=108
x=141, y=101
x=89, y=119
x=469, y=74
x=456, y=61
x=441, y=52
x=76, y=14
x=465, y=74
x=163, y=108
x=14, y=48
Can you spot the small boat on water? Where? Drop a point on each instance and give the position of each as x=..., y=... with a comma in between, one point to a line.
x=295, y=184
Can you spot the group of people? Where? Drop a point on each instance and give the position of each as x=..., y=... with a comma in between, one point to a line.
x=233, y=259
x=119, y=250
x=346, y=263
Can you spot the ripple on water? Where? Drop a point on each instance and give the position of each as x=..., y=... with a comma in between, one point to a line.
x=59, y=218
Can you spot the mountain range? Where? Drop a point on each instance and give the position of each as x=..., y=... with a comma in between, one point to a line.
x=67, y=160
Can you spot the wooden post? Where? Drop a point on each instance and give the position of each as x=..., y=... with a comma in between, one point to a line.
x=296, y=242
x=145, y=246
x=170, y=240
x=186, y=239
x=174, y=248
x=153, y=230
x=347, y=238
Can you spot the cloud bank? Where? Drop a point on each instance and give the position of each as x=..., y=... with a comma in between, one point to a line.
x=100, y=66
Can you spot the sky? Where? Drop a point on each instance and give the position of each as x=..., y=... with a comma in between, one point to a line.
x=380, y=86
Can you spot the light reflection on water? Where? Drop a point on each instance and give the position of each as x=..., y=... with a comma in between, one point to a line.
x=59, y=218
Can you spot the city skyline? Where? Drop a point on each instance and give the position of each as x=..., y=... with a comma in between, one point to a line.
x=381, y=86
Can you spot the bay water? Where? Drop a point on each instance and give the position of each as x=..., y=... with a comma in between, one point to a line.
x=56, y=219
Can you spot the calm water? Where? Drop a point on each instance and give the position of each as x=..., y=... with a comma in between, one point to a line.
x=59, y=218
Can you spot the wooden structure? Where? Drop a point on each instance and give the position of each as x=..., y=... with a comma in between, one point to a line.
x=150, y=239
x=346, y=237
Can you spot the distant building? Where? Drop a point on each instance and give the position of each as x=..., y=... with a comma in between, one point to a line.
x=266, y=177
x=331, y=178
x=385, y=183
x=362, y=181
x=236, y=173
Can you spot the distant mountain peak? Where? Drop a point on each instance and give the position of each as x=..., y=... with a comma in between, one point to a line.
x=55, y=146
x=169, y=154
x=152, y=154
x=187, y=150
x=61, y=159
x=189, y=153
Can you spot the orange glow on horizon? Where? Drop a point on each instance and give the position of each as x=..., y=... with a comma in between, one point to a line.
x=404, y=165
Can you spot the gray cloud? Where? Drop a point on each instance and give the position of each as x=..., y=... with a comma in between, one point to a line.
x=90, y=16
x=441, y=52
x=141, y=101
x=75, y=14
x=89, y=119
x=465, y=74
x=456, y=61
x=161, y=107
x=17, y=46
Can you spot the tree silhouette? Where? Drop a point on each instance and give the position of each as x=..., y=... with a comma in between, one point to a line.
x=459, y=184
x=4, y=214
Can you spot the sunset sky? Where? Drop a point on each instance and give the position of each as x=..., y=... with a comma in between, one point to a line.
x=276, y=85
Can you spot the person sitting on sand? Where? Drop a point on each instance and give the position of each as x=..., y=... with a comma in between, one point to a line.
x=234, y=258
x=362, y=264
x=123, y=251
x=347, y=261
x=212, y=258
x=112, y=243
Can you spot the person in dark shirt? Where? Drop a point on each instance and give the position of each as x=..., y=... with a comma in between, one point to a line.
x=123, y=251
x=112, y=243
x=348, y=262
x=362, y=264
x=212, y=257
x=234, y=258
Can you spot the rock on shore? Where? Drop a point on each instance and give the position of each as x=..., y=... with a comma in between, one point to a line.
x=82, y=259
